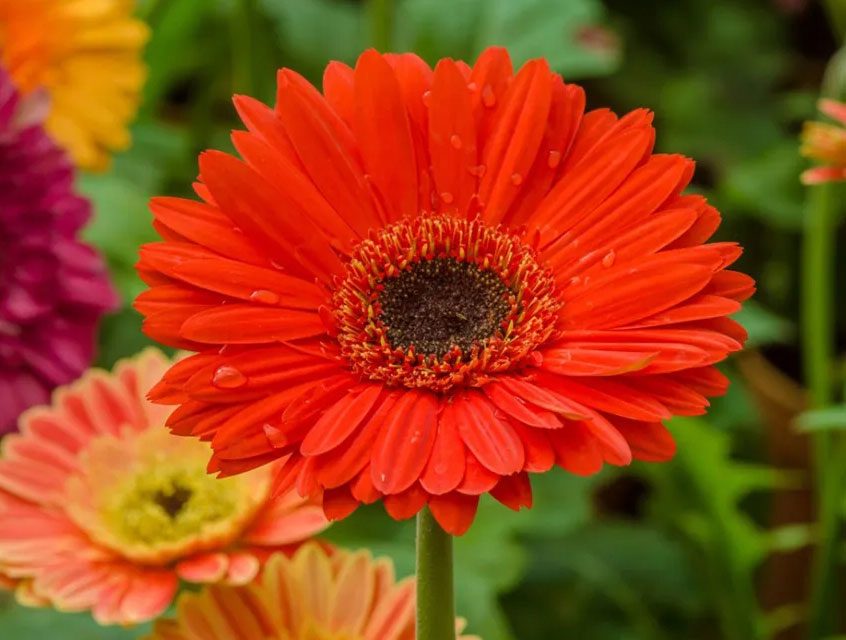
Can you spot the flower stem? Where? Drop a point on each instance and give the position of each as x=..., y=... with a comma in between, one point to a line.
x=818, y=352
x=381, y=24
x=435, y=599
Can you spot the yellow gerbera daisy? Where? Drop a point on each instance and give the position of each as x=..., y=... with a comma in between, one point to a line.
x=316, y=594
x=86, y=55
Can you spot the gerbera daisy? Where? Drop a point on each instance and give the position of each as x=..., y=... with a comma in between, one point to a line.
x=422, y=286
x=86, y=54
x=314, y=595
x=103, y=509
x=826, y=143
x=53, y=288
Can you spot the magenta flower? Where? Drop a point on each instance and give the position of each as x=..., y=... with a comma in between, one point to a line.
x=53, y=288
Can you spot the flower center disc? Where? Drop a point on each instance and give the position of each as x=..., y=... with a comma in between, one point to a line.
x=437, y=301
x=439, y=304
x=148, y=497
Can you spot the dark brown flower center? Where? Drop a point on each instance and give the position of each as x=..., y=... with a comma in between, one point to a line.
x=439, y=304
x=173, y=501
x=436, y=301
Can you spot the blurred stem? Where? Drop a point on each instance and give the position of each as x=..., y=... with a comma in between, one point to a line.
x=435, y=599
x=836, y=10
x=818, y=352
x=381, y=23
x=147, y=10
x=242, y=44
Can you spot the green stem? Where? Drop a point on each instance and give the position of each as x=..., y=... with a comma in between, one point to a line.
x=818, y=352
x=242, y=43
x=381, y=23
x=836, y=10
x=435, y=599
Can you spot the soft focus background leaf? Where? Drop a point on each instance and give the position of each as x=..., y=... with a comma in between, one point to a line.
x=19, y=623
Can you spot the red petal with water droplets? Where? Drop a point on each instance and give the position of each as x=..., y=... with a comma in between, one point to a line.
x=406, y=441
x=341, y=420
x=248, y=324
x=384, y=136
x=489, y=437
x=445, y=469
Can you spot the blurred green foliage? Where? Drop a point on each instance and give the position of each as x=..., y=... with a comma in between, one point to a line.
x=730, y=81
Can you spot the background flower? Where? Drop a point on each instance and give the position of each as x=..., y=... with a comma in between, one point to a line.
x=103, y=509
x=440, y=282
x=53, y=288
x=314, y=595
x=86, y=54
x=826, y=143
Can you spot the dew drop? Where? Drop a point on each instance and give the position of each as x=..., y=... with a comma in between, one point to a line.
x=477, y=170
x=275, y=435
x=554, y=159
x=516, y=179
x=427, y=97
x=264, y=296
x=277, y=265
x=228, y=377
x=534, y=359
x=447, y=197
x=488, y=96
x=455, y=141
x=608, y=259
x=472, y=86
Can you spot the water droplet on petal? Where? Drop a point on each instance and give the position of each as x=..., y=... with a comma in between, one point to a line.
x=472, y=86
x=228, y=377
x=427, y=97
x=264, y=296
x=575, y=280
x=455, y=141
x=277, y=265
x=554, y=159
x=516, y=179
x=488, y=96
x=608, y=259
x=275, y=435
x=477, y=170
x=447, y=197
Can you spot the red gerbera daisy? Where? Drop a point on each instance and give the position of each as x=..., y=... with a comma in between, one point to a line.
x=422, y=286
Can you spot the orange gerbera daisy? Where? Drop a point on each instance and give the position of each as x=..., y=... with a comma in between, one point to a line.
x=314, y=595
x=424, y=285
x=826, y=143
x=103, y=509
x=87, y=55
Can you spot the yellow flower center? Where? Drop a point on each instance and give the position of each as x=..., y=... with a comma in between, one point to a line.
x=169, y=503
x=147, y=496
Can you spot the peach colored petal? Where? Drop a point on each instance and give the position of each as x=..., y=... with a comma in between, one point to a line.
x=204, y=567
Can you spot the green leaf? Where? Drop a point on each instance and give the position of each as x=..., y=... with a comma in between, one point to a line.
x=177, y=27
x=22, y=623
x=568, y=34
x=767, y=186
x=315, y=32
x=764, y=326
x=700, y=494
x=828, y=419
